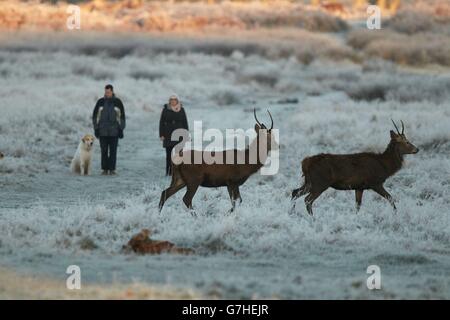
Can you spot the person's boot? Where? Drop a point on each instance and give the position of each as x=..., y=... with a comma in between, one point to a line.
x=113, y=172
x=104, y=172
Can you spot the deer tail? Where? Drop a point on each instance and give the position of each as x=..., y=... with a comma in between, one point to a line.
x=304, y=189
x=306, y=165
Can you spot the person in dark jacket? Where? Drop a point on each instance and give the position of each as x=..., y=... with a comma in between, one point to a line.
x=109, y=122
x=173, y=117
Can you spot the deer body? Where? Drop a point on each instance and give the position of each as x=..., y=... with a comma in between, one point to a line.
x=230, y=175
x=359, y=172
x=352, y=171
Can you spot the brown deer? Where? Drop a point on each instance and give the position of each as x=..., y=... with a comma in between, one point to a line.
x=141, y=243
x=359, y=172
x=191, y=175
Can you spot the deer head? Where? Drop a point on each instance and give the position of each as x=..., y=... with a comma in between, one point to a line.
x=401, y=143
x=262, y=130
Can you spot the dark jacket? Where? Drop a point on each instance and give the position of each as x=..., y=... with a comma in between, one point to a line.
x=109, y=117
x=169, y=122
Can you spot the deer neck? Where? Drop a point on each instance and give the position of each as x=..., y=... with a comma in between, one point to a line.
x=254, y=150
x=392, y=159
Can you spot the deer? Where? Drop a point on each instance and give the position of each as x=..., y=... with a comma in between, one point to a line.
x=359, y=171
x=230, y=175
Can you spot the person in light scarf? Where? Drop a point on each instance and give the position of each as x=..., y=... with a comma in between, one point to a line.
x=173, y=117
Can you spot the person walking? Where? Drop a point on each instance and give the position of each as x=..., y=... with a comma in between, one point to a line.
x=173, y=117
x=109, y=123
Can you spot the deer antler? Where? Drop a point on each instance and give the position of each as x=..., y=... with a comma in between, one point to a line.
x=403, y=127
x=256, y=119
x=395, y=126
x=271, y=119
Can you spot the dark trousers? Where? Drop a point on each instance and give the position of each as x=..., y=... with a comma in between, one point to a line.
x=109, y=152
x=169, y=161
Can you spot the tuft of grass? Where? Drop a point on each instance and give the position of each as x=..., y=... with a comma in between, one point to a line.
x=268, y=80
x=95, y=74
x=146, y=75
x=87, y=243
x=225, y=98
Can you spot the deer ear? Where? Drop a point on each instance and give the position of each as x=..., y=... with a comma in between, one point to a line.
x=145, y=232
x=393, y=135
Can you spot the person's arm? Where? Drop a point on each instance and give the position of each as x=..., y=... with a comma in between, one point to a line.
x=161, y=124
x=94, y=115
x=185, y=121
x=123, y=120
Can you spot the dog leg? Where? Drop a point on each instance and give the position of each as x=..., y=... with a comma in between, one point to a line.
x=76, y=167
x=88, y=168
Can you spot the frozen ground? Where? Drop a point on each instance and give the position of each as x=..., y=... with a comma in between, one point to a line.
x=50, y=219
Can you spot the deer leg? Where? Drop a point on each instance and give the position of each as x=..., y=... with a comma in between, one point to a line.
x=358, y=197
x=88, y=169
x=238, y=194
x=297, y=193
x=166, y=194
x=310, y=198
x=231, y=194
x=191, y=190
x=382, y=192
x=308, y=202
x=233, y=191
x=176, y=185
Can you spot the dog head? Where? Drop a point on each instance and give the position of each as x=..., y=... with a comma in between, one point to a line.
x=88, y=141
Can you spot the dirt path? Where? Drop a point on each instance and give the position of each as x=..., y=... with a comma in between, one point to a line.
x=18, y=286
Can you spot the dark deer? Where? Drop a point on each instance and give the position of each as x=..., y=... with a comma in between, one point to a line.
x=191, y=175
x=359, y=172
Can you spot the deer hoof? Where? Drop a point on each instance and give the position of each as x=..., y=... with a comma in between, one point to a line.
x=292, y=210
x=193, y=213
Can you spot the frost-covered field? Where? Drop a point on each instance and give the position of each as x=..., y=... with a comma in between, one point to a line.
x=50, y=219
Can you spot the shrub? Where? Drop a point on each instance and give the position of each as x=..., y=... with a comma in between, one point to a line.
x=419, y=49
x=368, y=91
x=411, y=22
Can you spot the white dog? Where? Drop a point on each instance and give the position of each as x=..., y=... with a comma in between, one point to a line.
x=81, y=163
